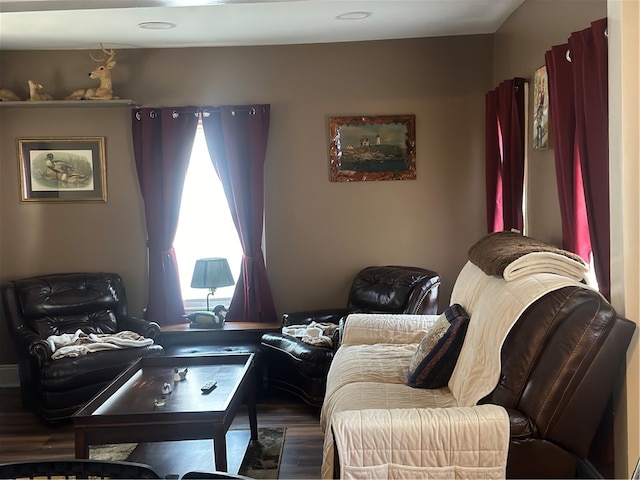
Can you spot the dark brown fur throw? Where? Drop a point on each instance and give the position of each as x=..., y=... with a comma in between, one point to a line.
x=493, y=253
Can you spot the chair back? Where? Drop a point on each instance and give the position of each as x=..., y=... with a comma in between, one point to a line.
x=76, y=469
x=394, y=289
x=63, y=303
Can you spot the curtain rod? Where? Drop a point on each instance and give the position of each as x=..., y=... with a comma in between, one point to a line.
x=567, y=55
x=205, y=111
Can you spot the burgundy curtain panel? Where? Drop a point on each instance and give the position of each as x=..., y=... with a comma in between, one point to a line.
x=162, y=144
x=493, y=157
x=504, y=151
x=237, y=141
x=590, y=79
x=573, y=213
x=578, y=95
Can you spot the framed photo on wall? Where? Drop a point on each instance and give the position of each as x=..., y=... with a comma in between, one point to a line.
x=67, y=169
x=372, y=148
x=540, y=109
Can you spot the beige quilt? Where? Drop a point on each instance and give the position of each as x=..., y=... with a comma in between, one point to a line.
x=431, y=443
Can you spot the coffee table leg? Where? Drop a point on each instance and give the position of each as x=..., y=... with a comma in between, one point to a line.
x=82, y=449
x=220, y=447
x=251, y=406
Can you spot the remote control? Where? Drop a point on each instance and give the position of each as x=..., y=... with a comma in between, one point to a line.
x=207, y=387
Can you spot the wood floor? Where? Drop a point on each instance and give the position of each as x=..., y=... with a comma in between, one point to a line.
x=24, y=437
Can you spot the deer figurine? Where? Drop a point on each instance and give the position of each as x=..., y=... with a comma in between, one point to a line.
x=103, y=73
x=7, y=95
x=34, y=92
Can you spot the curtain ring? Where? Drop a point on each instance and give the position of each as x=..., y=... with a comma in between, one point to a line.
x=568, y=55
x=206, y=113
x=174, y=114
x=153, y=114
x=138, y=115
x=252, y=111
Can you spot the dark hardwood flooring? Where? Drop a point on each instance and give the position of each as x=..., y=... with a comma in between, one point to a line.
x=24, y=437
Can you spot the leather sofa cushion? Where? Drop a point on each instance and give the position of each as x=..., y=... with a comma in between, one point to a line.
x=68, y=373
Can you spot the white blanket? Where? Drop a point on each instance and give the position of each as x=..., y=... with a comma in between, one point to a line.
x=512, y=255
x=493, y=305
x=80, y=343
x=546, y=262
x=315, y=333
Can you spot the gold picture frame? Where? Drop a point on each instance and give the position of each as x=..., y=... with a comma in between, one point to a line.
x=62, y=169
x=372, y=148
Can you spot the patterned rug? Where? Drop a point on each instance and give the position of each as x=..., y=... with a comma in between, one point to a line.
x=261, y=460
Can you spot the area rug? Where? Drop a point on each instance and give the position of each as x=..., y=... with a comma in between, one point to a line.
x=117, y=451
x=261, y=460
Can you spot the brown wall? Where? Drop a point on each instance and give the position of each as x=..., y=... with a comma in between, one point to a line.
x=520, y=45
x=318, y=234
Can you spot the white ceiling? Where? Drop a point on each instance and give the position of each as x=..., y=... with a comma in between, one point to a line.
x=83, y=24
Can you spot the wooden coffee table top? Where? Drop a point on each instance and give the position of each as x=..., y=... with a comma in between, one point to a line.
x=127, y=410
x=130, y=397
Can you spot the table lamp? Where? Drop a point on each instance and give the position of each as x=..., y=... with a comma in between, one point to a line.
x=211, y=273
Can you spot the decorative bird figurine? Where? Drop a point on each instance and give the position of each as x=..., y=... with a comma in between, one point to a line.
x=180, y=375
x=167, y=389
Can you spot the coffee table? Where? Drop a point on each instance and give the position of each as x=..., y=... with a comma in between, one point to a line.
x=131, y=408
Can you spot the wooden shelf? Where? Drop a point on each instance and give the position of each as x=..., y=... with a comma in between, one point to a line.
x=67, y=103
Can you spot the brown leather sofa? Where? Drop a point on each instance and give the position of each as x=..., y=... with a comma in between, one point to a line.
x=301, y=368
x=559, y=363
x=37, y=307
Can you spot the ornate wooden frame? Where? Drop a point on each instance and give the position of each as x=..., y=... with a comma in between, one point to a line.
x=372, y=148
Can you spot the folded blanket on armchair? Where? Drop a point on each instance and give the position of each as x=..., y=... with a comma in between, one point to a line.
x=80, y=343
x=512, y=255
x=315, y=333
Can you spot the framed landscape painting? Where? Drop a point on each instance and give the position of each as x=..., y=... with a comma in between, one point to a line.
x=372, y=148
x=62, y=169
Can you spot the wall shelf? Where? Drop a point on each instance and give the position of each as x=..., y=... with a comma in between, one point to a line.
x=68, y=103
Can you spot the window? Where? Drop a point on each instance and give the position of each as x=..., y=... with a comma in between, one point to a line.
x=205, y=227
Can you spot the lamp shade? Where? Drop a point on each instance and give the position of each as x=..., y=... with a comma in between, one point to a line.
x=211, y=273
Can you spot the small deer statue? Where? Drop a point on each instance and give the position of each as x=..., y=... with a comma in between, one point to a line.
x=103, y=73
x=7, y=95
x=34, y=92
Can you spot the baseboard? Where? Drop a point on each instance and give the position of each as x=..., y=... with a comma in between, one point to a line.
x=9, y=376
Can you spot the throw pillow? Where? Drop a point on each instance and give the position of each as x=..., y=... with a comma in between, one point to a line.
x=433, y=363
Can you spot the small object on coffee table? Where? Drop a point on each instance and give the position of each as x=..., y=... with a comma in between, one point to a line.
x=207, y=387
x=159, y=402
x=178, y=375
x=167, y=389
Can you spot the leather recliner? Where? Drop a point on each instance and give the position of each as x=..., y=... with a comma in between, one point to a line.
x=301, y=368
x=38, y=307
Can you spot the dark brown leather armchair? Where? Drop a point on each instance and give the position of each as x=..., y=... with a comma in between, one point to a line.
x=301, y=368
x=38, y=307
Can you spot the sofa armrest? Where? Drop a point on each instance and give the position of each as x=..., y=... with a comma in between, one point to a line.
x=327, y=315
x=140, y=326
x=403, y=443
x=372, y=328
